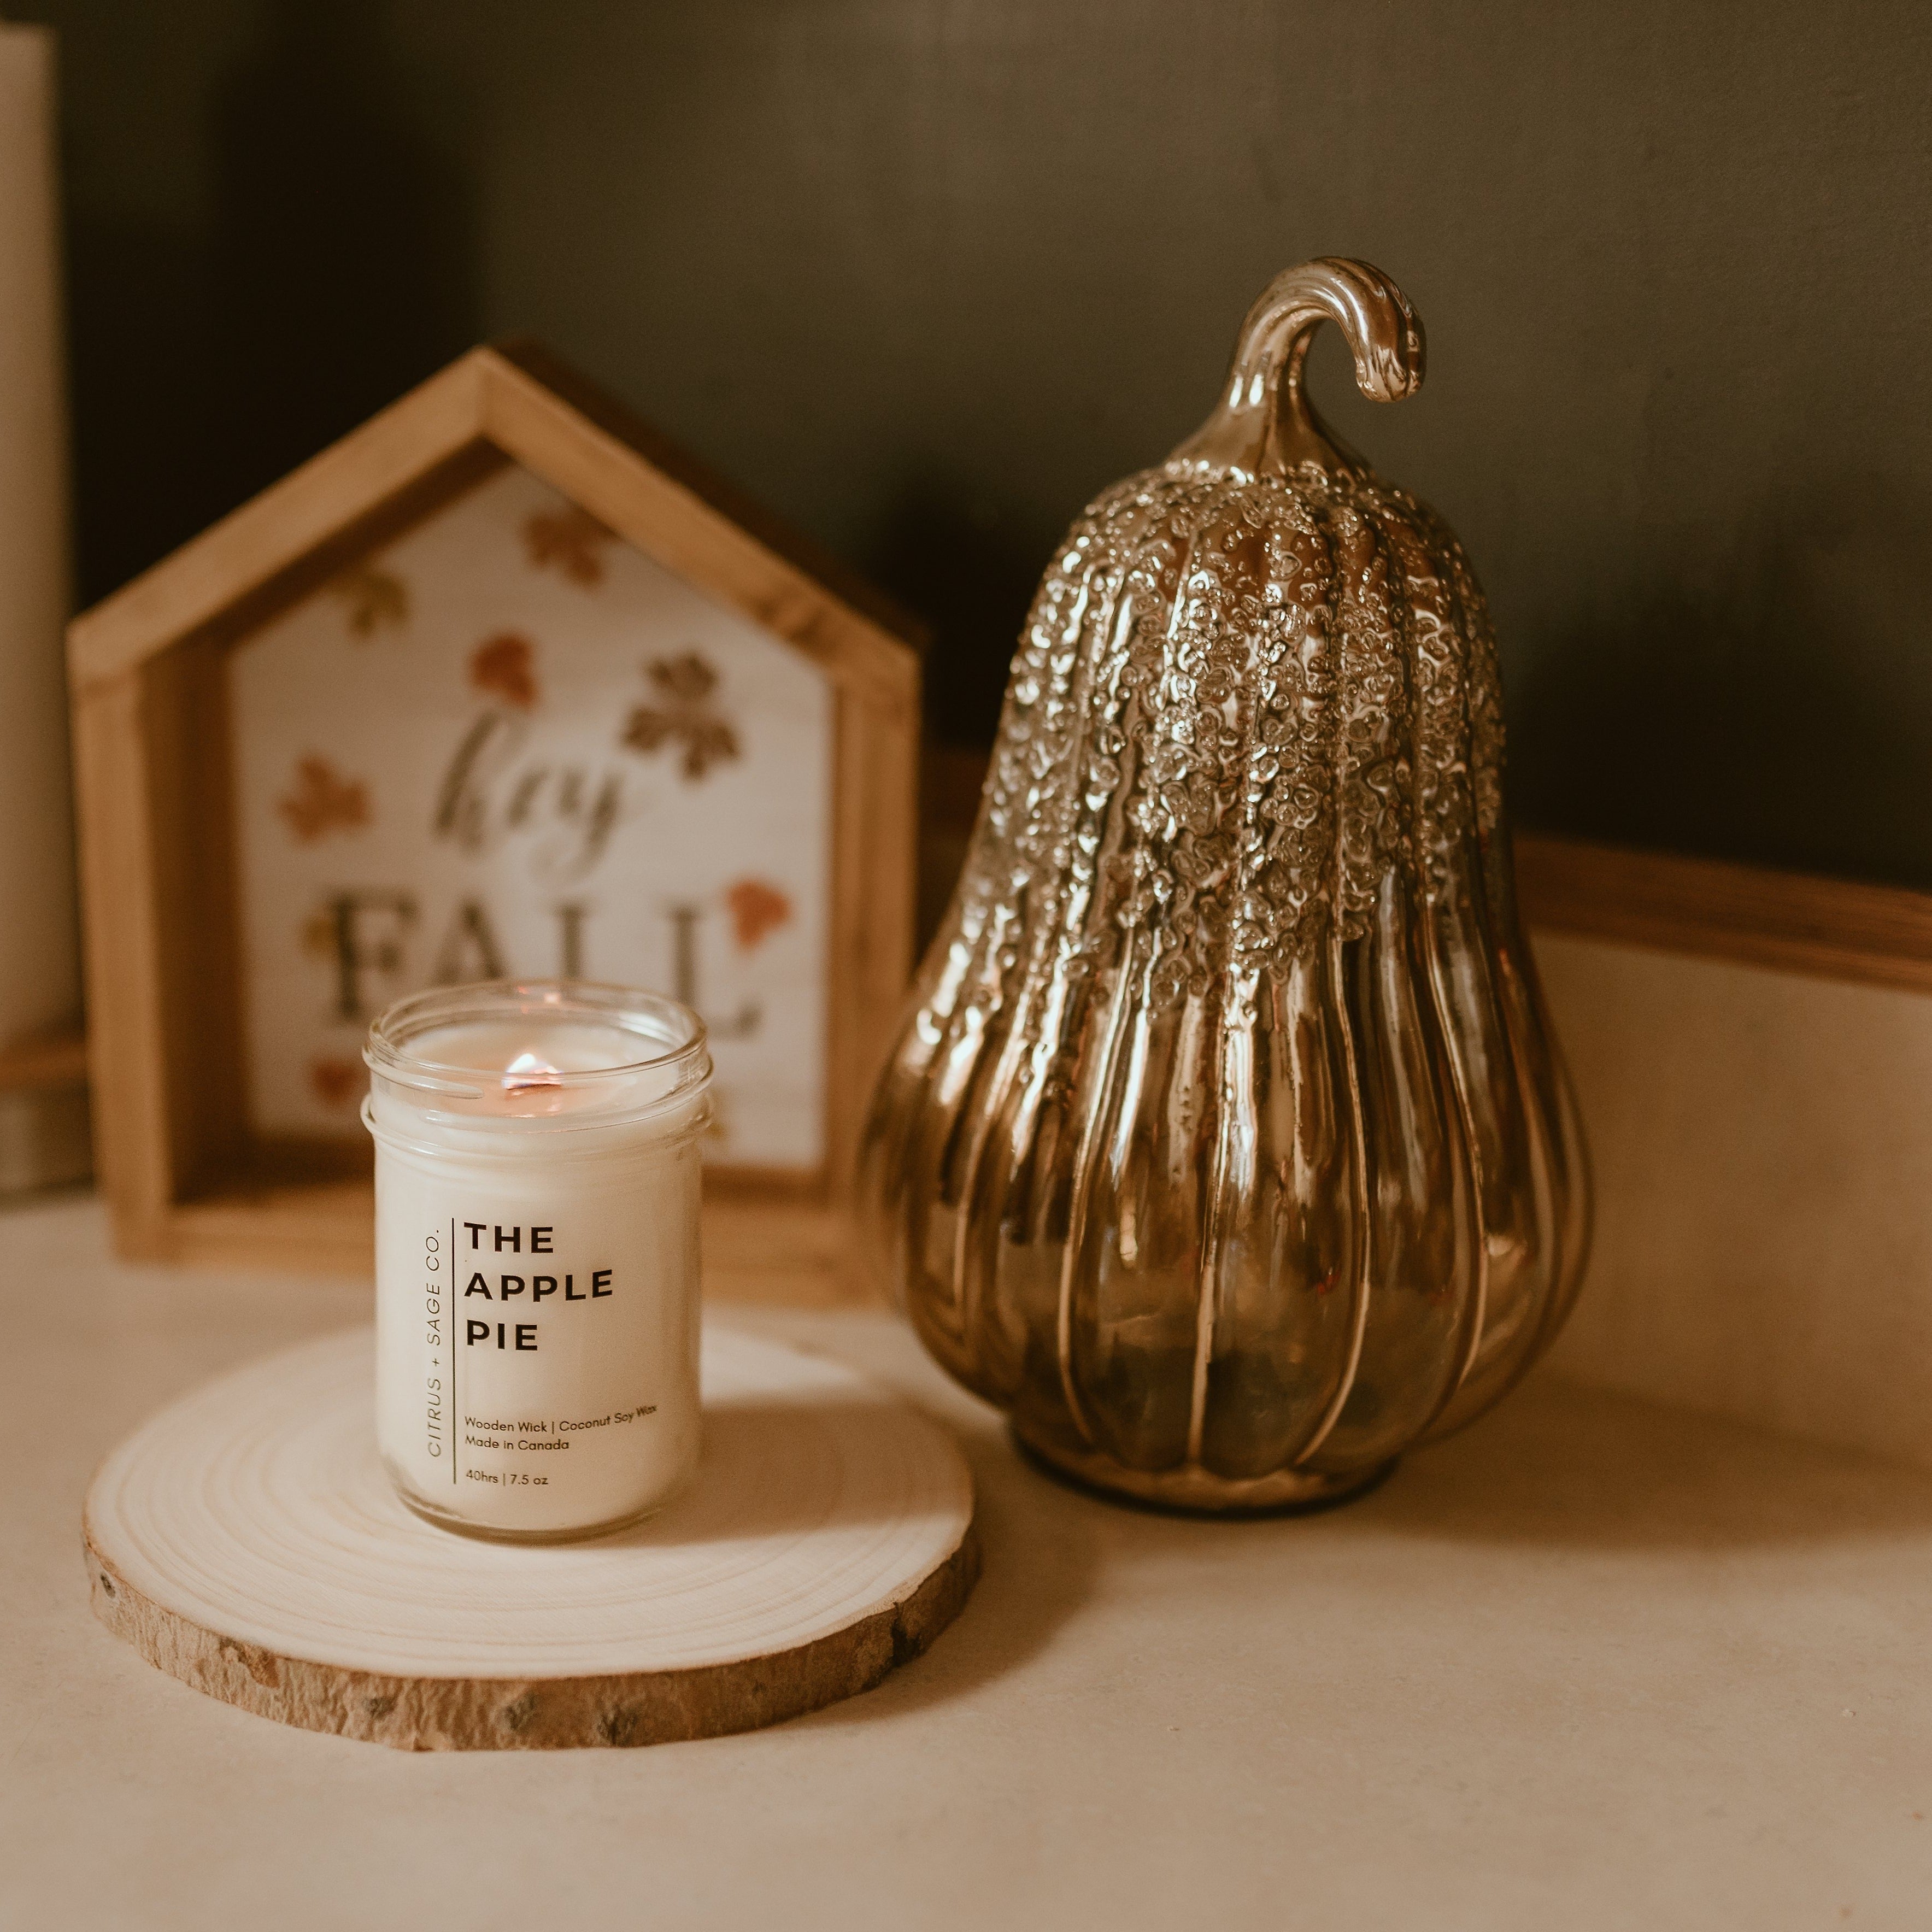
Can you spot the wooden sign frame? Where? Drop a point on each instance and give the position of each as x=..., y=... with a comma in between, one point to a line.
x=185, y=1178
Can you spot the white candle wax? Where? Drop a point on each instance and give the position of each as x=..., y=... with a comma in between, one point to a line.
x=536, y=1253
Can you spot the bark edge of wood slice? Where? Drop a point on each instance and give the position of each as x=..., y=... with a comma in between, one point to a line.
x=245, y=1541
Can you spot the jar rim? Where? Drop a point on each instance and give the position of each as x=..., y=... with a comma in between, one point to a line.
x=673, y=1028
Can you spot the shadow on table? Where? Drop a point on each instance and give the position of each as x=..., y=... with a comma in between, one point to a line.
x=1555, y=1465
x=1040, y=1548
x=786, y=1464
x=1571, y=1467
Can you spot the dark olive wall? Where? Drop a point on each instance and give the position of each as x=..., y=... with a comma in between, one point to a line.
x=926, y=274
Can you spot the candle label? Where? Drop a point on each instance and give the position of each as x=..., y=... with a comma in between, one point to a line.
x=537, y=1373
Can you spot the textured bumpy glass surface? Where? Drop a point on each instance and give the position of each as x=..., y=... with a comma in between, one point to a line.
x=1226, y=1145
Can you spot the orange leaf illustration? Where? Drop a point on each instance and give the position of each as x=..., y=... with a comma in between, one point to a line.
x=501, y=667
x=336, y=1082
x=377, y=599
x=572, y=539
x=323, y=801
x=756, y=909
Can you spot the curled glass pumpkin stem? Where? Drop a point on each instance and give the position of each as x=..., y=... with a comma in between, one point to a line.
x=1265, y=424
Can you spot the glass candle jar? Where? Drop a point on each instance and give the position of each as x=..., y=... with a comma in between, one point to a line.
x=537, y=1253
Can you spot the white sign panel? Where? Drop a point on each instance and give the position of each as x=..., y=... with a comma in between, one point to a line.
x=509, y=744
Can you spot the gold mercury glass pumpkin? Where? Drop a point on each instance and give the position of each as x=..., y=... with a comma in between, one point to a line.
x=1226, y=1146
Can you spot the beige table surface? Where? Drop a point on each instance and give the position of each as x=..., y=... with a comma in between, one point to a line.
x=1590, y=1664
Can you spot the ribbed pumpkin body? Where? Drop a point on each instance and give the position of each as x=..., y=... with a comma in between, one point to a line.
x=1225, y=1146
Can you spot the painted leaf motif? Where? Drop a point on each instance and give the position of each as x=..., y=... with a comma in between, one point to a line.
x=376, y=599
x=683, y=715
x=570, y=541
x=504, y=667
x=757, y=908
x=322, y=801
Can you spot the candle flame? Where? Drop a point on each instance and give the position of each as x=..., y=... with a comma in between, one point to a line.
x=527, y=1070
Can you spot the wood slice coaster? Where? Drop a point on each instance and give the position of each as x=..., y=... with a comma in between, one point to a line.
x=247, y=1541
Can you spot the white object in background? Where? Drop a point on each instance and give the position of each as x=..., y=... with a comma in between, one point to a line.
x=40, y=973
x=536, y=1253
x=458, y=760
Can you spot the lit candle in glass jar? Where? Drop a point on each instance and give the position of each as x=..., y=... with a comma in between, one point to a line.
x=536, y=1253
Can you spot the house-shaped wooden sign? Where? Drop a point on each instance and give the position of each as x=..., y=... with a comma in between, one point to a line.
x=498, y=685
